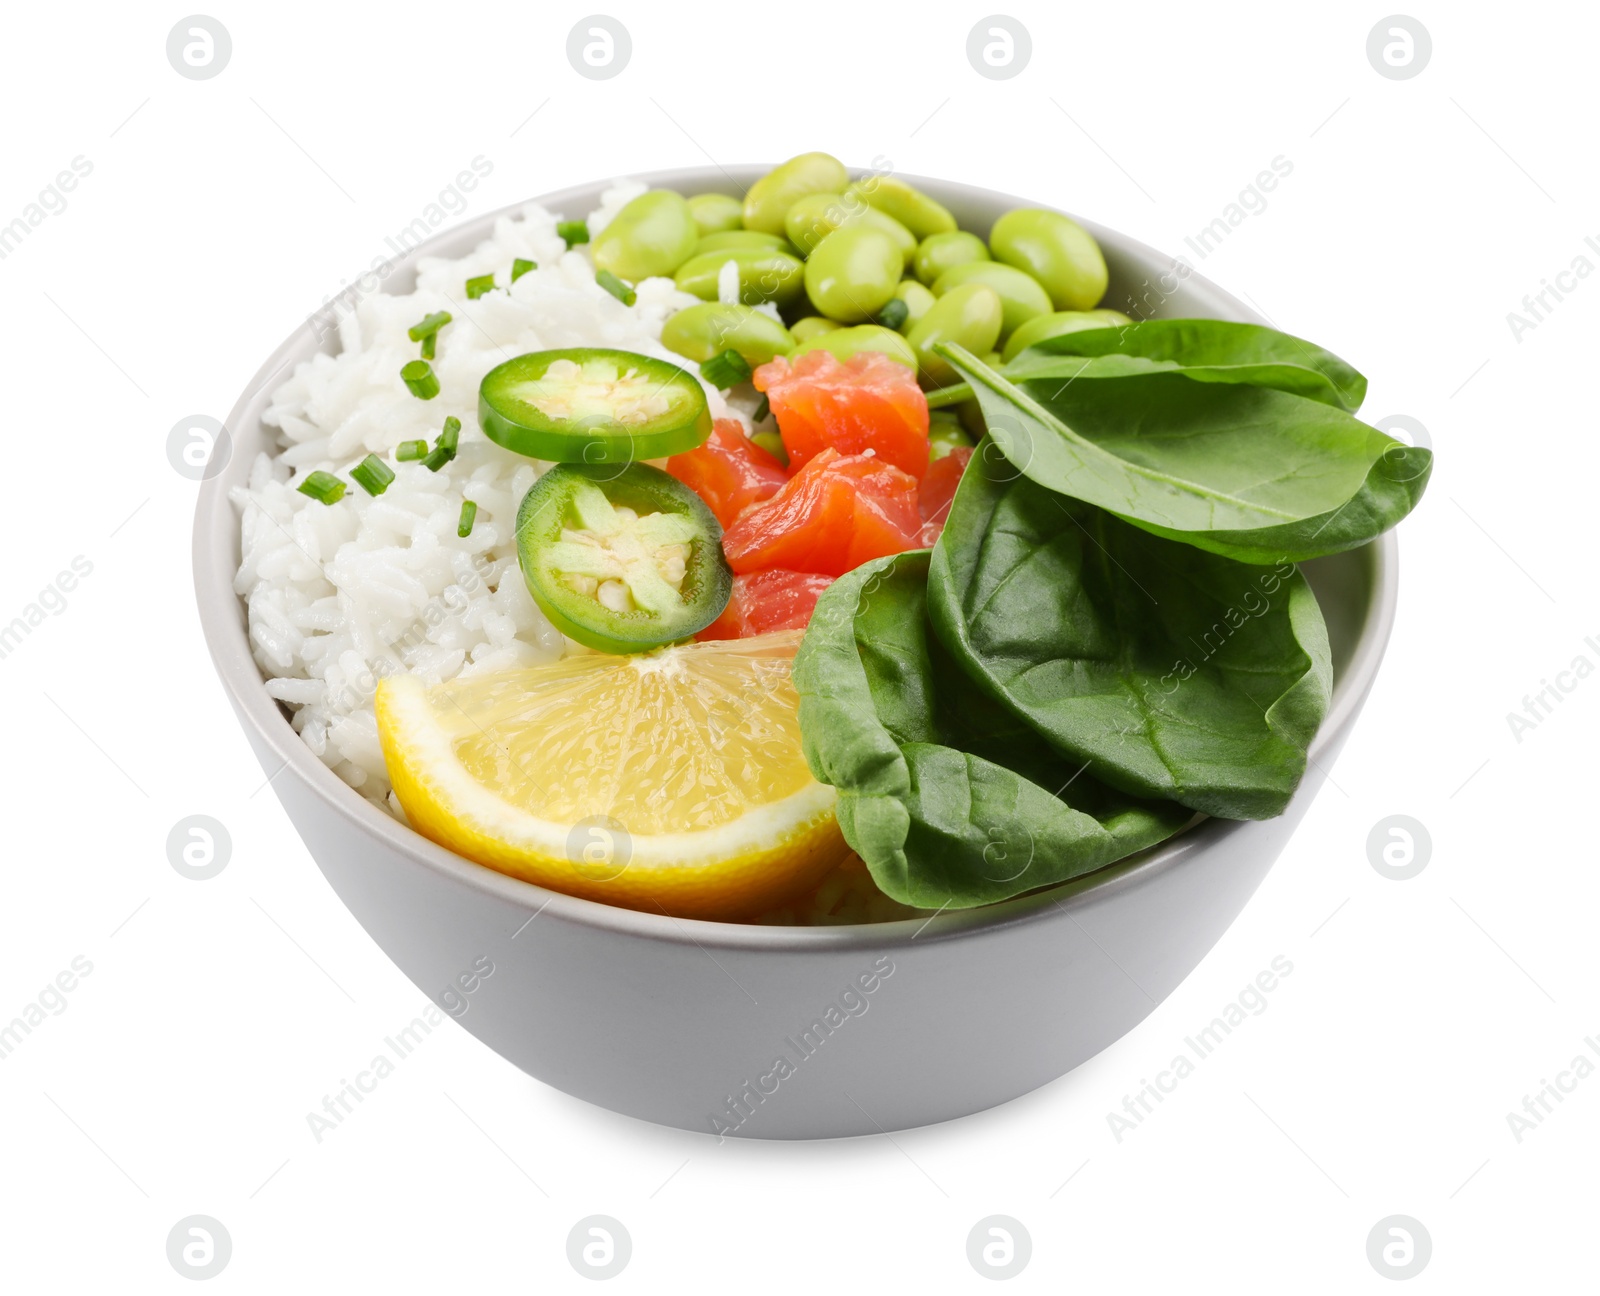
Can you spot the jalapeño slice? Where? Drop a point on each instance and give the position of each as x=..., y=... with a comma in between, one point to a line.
x=592, y=405
x=621, y=560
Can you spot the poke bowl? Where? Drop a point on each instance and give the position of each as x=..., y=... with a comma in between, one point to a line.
x=787, y=1022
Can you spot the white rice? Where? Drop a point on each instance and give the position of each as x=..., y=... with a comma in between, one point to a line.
x=339, y=596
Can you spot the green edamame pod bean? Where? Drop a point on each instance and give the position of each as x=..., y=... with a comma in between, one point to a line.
x=940, y=252
x=769, y=198
x=765, y=274
x=812, y=218
x=969, y=315
x=1021, y=296
x=846, y=342
x=741, y=238
x=917, y=298
x=971, y=415
x=945, y=433
x=713, y=212
x=1057, y=323
x=653, y=235
x=903, y=238
x=911, y=207
x=710, y=328
x=1056, y=251
x=772, y=443
x=803, y=330
x=852, y=272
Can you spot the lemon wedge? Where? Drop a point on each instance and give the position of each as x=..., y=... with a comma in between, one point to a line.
x=670, y=781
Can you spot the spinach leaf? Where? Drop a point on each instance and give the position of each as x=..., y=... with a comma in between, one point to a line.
x=1171, y=671
x=1255, y=473
x=1205, y=350
x=948, y=803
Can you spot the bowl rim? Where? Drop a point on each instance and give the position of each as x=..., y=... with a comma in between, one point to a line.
x=223, y=624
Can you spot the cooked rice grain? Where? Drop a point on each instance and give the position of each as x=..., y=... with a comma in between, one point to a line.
x=339, y=596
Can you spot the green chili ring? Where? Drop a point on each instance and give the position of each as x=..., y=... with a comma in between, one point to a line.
x=593, y=405
x=575, y=534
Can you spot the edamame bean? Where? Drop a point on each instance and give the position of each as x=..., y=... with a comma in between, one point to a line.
x=765, y=274
x=740, y=238
x=1056, y=251
x=846, y=342
x=769, y=198
x=969, y=315
x=803, y=330
x=917, y=298
x=652, y=235
x=940, y=252
x=1057, y=323
x=945, y=433
x=853, y=272
x=970, y=412
x=812, y=218
x=710, y=328
x=714, y=212
x=1021, y=297
x=772, y=443
x=911, y=207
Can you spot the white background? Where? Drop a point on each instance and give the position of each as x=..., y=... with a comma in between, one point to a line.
x=1419, y=1013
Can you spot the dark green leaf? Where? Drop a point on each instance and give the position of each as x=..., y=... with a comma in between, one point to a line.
x=1252, y=472
x=949, y=800
x=1171, y=671
x=1205, y=350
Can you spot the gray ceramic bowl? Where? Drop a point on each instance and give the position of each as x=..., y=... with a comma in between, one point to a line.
x=684, y=1022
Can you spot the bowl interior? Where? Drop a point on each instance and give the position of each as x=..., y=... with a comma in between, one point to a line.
x=1356, y=589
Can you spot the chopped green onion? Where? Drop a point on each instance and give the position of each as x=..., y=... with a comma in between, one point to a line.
x=407, y=451
x=430, y=325
x=520, y=267
x=444, y=449
x=419, y=377
x=762, y=409
x=895, y=313
x=428, y=347
x=725, y=370
x=373, y=475
x=573, y=231
x=616, y=287
x=478, y=286
x=322, y=486
x=469, y=514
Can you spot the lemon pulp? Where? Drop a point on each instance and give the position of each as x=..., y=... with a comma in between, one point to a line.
x=670, y=781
